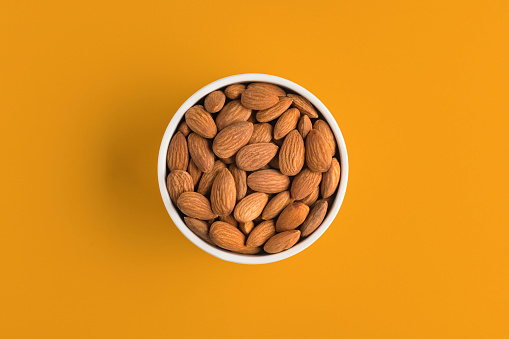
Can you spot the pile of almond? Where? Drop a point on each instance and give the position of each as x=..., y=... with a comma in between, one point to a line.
x=252, y=168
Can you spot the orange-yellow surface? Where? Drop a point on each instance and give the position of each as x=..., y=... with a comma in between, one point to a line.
x=420, y=248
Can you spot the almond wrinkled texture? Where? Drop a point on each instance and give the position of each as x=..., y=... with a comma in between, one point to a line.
x=195, y=205
x=323, y=127
x=261, y=233
x=222, y=195
x=261, y=133
x=292, y=216
x=249, y=250
x=304, y=126
x=303, y=105
x=232, y=138
x=201, y=152
x=258, y=98
x=232, y=112
x=268, y=181
x=179, y=182
x=269, y=88
x=275, y=111
x=227, y=236
x=276, y=205
x=292, y=154
x=229, y=219
x=312, y=197
x=199, y=227
x=304, y=183
x=200, y=122
x=318, y=154
x=286, y=122
x=330, y=179
x=194, y=171
x=255, y=156
x=214, y=101
x=250, y=207
x=246, y=227
x=282, y=241
x=274, y=163
x=229, y=160
x=239, y=176
x=184, y=129
x=207, y=179
x=234, y=91
x=314, y=218
x=177, y=157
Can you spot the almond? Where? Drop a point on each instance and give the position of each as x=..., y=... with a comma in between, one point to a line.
x=232, y=112
x=276, y=205
x=214, y=101
x=304, y=126
x=222, y=195
x=229, y=160
x=250, y=207
x=229, y=219
x=292, y=154
x=318, y=155
x=194, y=171
x=201, y=152
x=178, y=156
x=323, y=127
x=269, y=88
x=275, y=111
x=207, y=179
x=234, y=91
x=184, y=129
x=232, y=138
x=258, y=98
x=304, y=183
x=249, y=250
x=330, y=179
x=315, y=218
x=246, y=227
x=286, y=122
x=312, y=197
x=195, y=205
x=239, y=176
x=303, y=105
x=200, y=122
x=292, y=216
x=268, y=181
x=274, y=162
x=179, y=182
x=227, y=236
x=282, y=241
x=254, y=156
x=199, y=227
x=261, y=233
x=261, y=133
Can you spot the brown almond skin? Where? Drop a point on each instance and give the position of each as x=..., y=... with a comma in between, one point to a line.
x=199, y=227
x=282, y=241
x=234, y=91
x=177, y=157
x=232, y=112
x=268, y=181
x=200, y=122
x=184, y=129
x=312, y=197
x=261, y=233
x=240, y=181
x=195, y=205
x=292, y=216
x=179, y=182
x=276, y=205
x=303, y=105
x=255, y=156
x=304, y=183
x=324, y=127
x=330, y=179
x=246, y=227
x=274, y=162
x=229, y=219
x=222, y=195
x=258, y=99
x=250, y=207
x=207, y=179
x=232, y=138
x=249, y=250
x=194, y=171
x=226, y=236
x=214, y=101
x=286, y=122
x=269, y=88
x=304, y=126
x=318, y=155
x=261, y=133
x=275, y=111
x=314, y=218
x=201, y=152
x=292, y=154
x=229, y=160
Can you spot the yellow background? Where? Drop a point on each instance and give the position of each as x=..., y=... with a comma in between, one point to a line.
x=420, y=248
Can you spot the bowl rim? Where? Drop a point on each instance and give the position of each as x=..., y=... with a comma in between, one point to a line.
x=230, y=256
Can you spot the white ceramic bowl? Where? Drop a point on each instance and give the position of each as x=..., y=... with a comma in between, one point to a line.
x=230, y=256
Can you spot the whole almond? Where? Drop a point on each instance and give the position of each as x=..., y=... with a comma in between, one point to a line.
x=184, y=129
x=199, y=227
x=304, y=126
x=177, y=157
x=292, y=154
x=232, y=112
x=195, y=205
x=269, y=88
x=268, y=181
x=234, y=91
x=292, y=216
x=324, y=127
x=282, y=241
x=232, y=138
x=330, y=179
x=258, y=98
x=312, y=197
x=304, y=183
x=250, y=207
x=261, y=233
x=194, y=171
x=201, y=152
x=222, y=195
x=276, y=205
x=200, y=122
x=227, y=236
x=207, y=179
x=214, y=101
x=229, y=219
x=315, y=218
x=239, y=176
x=261, y=133
x=246, y=227
x=179, y=182
x=318, y=154
x=249, y=250
x=286, y=122
x=304, y=106
x=275, y=111
x=254, y=156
